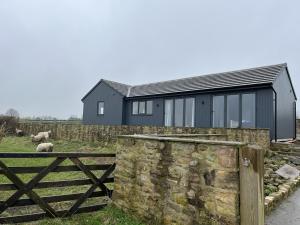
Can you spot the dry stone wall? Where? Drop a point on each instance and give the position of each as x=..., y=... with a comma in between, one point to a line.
x=106, y=135
x=178, y=181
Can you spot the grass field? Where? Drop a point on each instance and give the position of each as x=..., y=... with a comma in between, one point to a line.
x=109, y=215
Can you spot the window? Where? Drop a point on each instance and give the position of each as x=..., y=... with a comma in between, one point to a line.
x=233, y=111
x=218, y=111
x=178, y=112
x=142, y=107
x=149, y=107
x=248, y=110
x=100, y=108
x=168, y=112
x=135, y=108
x=189, y=112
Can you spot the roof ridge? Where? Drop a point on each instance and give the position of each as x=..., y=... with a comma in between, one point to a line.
x=210, y=74
x=105, y=80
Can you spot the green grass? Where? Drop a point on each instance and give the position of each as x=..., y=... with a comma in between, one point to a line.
x=109, y=215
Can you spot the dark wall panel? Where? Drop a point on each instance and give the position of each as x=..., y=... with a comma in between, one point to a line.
x=203, y=111
x=285, y=107
x=156, y=119
x=113, y=106
x=265, y=109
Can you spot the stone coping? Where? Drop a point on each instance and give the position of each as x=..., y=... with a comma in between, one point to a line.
x=285, y=190
x=190, y=135
x=186, y=140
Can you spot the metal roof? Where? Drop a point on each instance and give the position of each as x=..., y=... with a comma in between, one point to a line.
x=121, y=88
x=233, y=79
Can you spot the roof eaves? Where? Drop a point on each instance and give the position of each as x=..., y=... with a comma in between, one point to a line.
x=289, y=76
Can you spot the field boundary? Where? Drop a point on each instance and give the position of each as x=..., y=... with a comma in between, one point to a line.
x=21, y=188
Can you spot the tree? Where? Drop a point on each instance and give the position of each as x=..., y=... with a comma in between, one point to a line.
x=12, y=113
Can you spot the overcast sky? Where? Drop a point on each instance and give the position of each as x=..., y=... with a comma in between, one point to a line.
x=53, y=51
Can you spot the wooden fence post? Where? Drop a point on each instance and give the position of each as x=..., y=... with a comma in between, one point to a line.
x=251, y=163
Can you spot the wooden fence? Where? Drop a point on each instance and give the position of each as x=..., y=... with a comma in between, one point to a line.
x=20, y=188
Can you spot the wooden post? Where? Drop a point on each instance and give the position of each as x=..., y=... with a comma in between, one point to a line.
x=251, y=163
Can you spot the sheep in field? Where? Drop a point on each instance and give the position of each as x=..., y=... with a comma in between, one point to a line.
x=19, y=133
x=45, y=147
x=37, y=138
x=45, y=134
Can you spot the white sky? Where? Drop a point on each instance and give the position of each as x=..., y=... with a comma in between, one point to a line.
x=53, y=51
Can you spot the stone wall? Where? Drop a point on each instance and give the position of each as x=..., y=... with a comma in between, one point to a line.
x=105, y=135
x=178, y=181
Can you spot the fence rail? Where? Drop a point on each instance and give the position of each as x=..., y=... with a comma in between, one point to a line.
x=15, y=201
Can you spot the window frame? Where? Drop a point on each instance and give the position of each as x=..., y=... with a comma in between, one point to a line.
x=149, y=114
x=238, y=108
x=172, y=112
x=183, y=111
x=98, y=103
x=140, y=113
x=240, y=94
x=255, y=109
x=138, y=108
x=224, y=110
x=194, y=112
x=132, y=111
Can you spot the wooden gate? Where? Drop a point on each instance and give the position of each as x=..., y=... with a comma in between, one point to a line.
x=17, y=188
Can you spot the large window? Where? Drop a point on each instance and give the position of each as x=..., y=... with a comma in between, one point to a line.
x=178, y=112
x=189, y=112
x=218, y=111
x=149, y=107
x=142, y=107
x=248, y=110
x=135, y=108
x=233, y=111
x=100, y=108
x=240, y=111
x=168, y=112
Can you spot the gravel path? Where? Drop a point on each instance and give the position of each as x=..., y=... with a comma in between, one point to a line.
x=288, y=213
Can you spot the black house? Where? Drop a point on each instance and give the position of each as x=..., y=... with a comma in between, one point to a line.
x=261, y=97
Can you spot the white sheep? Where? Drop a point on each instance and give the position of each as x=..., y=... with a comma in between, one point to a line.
x=45, y=134
x=37, y=138
x=45, y=147
x=19, y=132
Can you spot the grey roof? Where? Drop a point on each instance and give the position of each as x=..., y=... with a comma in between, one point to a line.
x=254, y=76
x=239, y=78
x=121, y=88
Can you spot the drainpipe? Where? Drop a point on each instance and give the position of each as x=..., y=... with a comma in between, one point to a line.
x=275, y=114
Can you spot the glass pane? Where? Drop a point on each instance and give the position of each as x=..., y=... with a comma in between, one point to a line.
x=142, y=108
x=248, y=110
x=178, y=112
x=218, y=111
x=135, y=108
x=100, y=108
x=168, y=112
x=233, y=112
x=189, y=112
x=149, y=107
